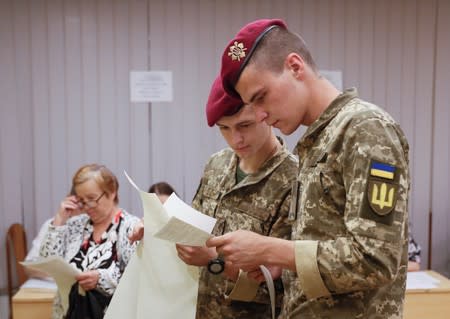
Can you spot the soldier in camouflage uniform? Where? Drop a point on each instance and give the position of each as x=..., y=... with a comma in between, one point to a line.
x=246, y=186
x=349, y=250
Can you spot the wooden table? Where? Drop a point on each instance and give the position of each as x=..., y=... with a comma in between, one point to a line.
x=432, y=303
x=429, y=303
x=33, y=303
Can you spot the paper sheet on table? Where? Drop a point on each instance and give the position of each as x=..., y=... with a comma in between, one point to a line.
x=60, y=270
x=420, y=280
x=155, y=280
x=36, y=283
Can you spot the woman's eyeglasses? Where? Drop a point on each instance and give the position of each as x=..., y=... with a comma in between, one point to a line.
x=90, y=203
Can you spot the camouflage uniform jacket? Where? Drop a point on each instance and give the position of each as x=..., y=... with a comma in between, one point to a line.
x=350, y=216
x=259, y=203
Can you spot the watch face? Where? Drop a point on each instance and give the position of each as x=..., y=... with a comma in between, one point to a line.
x=216, y=266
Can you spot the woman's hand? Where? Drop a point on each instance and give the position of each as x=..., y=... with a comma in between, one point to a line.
x=88, y=280
x=68, y=208
x=138, y=231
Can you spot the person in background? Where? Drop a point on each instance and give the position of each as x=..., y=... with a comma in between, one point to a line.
x=348, y=254
x=90, y=231
x=413, y=254
x=162, y=189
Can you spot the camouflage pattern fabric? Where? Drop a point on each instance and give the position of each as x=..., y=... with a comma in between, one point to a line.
x=351, y=201
x=260, y=203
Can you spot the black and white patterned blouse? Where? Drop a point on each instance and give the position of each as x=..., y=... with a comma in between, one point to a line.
x=74, y=242
x=413, y=250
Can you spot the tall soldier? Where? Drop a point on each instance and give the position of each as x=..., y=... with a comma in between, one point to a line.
x=349, y=249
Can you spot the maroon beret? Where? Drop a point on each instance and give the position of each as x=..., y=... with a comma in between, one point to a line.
x=220, y=103
x=239, y=51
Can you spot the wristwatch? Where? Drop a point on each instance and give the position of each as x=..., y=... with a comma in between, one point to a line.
x=216, y=266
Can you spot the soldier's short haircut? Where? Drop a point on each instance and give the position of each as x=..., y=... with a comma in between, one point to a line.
x=275, y=47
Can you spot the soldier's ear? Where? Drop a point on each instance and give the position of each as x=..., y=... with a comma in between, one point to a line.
x=295, y=64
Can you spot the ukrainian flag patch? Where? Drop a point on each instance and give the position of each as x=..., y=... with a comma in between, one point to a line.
x=382, y=170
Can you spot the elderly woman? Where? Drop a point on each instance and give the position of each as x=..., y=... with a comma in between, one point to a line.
x=91, y=232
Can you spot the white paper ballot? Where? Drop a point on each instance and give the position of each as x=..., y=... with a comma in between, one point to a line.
x=186, y=225
x=180, y=232
x=175, y=207
x=180, y=223
x=60, y=270
x=156, y=282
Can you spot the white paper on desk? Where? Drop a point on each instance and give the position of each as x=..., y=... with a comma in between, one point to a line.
x=61, y=271
x=35, y=283
x=186, y=225
x=420, y=280
x=156, y=282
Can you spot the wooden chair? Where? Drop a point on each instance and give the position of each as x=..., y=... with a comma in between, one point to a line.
x=16, y=250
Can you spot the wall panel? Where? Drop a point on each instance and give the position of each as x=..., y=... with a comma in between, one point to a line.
x=140, y=158
x=40, y=109
x=90, y=80
x=441, y=144
x=10, y=189
x=421, y=116
x=59, y=92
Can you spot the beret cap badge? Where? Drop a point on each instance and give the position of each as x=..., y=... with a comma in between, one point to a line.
x=240, y=49
x=237, y=51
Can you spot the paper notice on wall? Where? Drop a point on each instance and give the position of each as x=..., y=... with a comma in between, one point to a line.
x=151, y=86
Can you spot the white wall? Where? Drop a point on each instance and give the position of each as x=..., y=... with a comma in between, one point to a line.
x=64, y=69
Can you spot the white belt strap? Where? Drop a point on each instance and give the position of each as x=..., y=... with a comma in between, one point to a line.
x=270, y=286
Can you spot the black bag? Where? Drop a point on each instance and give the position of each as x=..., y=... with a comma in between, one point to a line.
x=91, y=306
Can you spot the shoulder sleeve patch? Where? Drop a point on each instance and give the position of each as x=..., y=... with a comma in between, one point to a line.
x=382, y=170
x=381, y=193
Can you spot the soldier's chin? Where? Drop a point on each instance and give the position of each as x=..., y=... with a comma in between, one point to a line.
x=286, y=130
x=242, y=154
